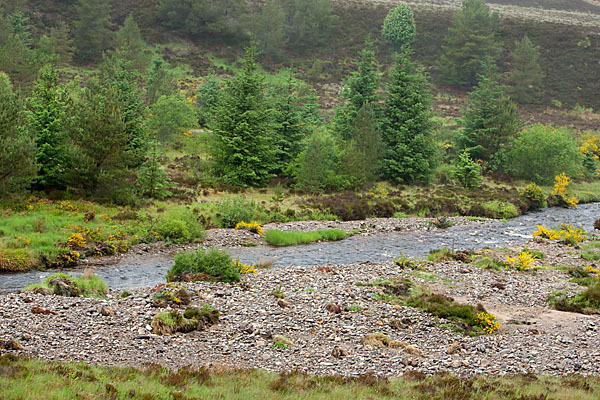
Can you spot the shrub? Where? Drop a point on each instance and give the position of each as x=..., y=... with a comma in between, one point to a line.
x=179, y=225
x=467, y=171
x=231, y=212
x=87, y=285
x=541, y=152
x=214, y=263
x=499, y=209
x=16, y=260
x=559, y=193
x=522, y=262
x=534, y=195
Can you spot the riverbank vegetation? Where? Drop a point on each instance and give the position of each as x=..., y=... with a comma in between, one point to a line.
x=112, y=137
x=277, y=237
x=36, y=379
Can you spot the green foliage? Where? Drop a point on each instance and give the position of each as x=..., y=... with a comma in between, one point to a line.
x=242, y=150
x=160, y=80
x=214, y=262
x=526, y=75
x=295, y=116
x=359, y=161
x=586, y=302
x=542, y=152
x=277, y=237
x=535, y=196
x=20, y=60
x=359, y=90
x=464, y=315
x=130, y=45
x=230, y=212
x=17, y=149
x=407, y=125
x=310, y=23
x=202, y=16
x=179, y=225
x=467, y=171
x=85, y=286
x=440, y=255
x=152, y=180
x=91, y=30
x=470, y=44
x=209, y=98
x=399, y=26
x=499, y=209
x=171, y=115
x=491, y=120
x=47, y=118
x=315, y=167
x=269, y=29
x=61, y=44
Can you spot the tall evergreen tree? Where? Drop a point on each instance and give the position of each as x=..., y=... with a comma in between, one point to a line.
x=243, y=148
x=269, y=29
x=309, y=23
x=526, y=75
x=62, y=44
x=130, y=45
x=407, y=126
x=160, y=80
x=360, y=89
x=295, y=117
x=17, y=149
x=92, y=34
x=470, y=44
x=399, y=26
x=491, y=120
x=316, y=165
x=47, y=120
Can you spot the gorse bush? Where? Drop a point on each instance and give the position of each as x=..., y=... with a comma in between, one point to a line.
x=213, y=263
x=534, y=195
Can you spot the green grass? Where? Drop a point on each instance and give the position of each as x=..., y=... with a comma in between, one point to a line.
x=440, y=255
x=86, y=285
x=277, y=237
x=591, y=255
x=36, y=379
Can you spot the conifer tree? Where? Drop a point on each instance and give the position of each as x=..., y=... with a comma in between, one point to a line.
x=399, y=26
x=470, y=44
x=62, y=44
x=92, y=34
x=491, y=120
x=152, y=180
x=316, y=165
x=160, y=80
x=310, y=23
x=269, y=29
x=526, y=75
x=360, y=89
x=130, y=45
x=243, y=149
x=407, y=126
x=17, y=149
x=48, y=121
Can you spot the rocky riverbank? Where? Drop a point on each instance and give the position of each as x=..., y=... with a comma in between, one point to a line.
x=325, y=316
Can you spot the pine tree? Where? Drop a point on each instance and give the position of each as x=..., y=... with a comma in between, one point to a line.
x=526, y=75
x=160, y=80
x=360, y=89
x=295, y=116
x=243, y=148
x=491, y=120
x=470, y=44
x=407, y=126
x=17, y=149
x=269, y=29
x=130, y=45
x=48, y=122
x=91, y=33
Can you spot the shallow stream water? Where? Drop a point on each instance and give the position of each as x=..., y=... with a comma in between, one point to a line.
x=150, y=269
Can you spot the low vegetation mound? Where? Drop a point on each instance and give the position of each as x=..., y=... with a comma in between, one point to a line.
x=193, y=318
x=87, y=285
x=212, y=265
x=277, y=237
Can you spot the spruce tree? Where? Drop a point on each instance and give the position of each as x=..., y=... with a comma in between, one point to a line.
x=491, y=120
x=62, y=44
x=92, y=34
x=360, y=89
x=130, y=45
x=243, y=149
x=316, y=166
x=470, y=44
x=160, y=80
x=269, y=29
x=310, y=23
x=48, y=121
x=294, y=118
x=526, y=75
x=407, y=126
x=17, y=149
x=399, y=26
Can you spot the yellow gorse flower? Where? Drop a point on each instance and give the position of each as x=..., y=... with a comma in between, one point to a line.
x=522, y=262
x=488, y=322
x=252, y=227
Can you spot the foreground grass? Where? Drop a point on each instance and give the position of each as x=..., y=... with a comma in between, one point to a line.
x=277, y=237
x=22, y=378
